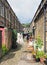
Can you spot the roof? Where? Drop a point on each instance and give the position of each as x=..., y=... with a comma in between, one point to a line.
x=39, y=9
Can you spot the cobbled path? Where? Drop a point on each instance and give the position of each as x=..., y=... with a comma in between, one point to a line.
x=14, y=57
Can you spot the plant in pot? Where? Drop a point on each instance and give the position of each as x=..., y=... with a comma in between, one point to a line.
x=37, y=56
x=45, y=59
x=39, y=44
x=41, y=56
x=37, y=59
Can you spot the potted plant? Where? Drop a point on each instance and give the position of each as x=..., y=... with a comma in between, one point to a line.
x=37, y=56
x=39, y=43
x=45, y=59
x=41, y=56
x=37, y=59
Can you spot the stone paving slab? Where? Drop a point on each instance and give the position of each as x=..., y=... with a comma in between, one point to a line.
x=26, y=63
x=18, y=58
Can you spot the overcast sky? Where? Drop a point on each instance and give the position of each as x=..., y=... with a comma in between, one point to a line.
x=24, y=9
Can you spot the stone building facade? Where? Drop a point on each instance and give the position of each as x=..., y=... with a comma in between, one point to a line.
x=40, y=23
x=26, y=30
x=8, y=20
x=31, y=28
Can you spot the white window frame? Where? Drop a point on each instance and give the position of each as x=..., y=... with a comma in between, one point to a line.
x=7, y=14
x=1, y=11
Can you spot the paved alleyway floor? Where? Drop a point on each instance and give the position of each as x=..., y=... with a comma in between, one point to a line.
x=17, y=57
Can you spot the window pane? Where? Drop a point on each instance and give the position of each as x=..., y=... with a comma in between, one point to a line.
x=0, y=10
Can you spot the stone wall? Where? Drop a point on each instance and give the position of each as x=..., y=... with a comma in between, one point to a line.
x=39, y=31
x=8, y=38
x=31, y=26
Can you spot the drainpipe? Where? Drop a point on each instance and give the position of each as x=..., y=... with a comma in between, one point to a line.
x=44, y=28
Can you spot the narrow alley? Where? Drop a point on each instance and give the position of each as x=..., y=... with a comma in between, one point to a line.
x=18, y=57
x=23, y=32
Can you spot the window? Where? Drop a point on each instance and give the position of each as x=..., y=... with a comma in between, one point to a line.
x=9, y=17
x=6, y=12
x=15, y=23
x=2, y=11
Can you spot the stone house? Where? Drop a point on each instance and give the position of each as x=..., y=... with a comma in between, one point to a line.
x=32, y=28
x=8, y=20
x=40, y=23
x=26, y=30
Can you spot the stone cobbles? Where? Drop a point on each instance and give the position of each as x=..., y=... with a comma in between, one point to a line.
x=26, y=63
x=18, y=57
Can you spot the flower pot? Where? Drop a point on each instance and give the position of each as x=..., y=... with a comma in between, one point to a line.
x=41, y=60
x=37, y=60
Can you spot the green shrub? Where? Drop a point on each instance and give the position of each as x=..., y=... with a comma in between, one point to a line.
x=46, y=55
x=37, y=55
x=14, y=38
x=4, y=49
x=40, y=54
x=39, y=43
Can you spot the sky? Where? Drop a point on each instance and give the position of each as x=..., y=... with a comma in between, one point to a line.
x=24, y=9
